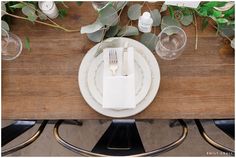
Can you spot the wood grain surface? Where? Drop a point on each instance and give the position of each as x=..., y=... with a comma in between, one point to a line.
x=42, y=83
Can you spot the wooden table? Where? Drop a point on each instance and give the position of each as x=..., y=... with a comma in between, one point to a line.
x=43, y=84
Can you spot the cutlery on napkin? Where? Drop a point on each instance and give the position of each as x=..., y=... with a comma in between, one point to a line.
x=125, y=60
x=119, y=90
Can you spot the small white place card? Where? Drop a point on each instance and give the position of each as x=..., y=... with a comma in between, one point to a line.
x=190, y=4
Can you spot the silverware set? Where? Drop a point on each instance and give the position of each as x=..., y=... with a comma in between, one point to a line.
x=113, y=61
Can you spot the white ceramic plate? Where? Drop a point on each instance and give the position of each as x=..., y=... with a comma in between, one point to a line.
x=155, y=79
x=142, y=78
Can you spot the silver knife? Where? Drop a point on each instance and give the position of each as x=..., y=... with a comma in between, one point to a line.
x=125, y=60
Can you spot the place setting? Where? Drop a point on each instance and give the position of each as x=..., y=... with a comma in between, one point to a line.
x=121, y=81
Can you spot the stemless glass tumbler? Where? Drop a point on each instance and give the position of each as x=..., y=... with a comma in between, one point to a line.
x=171, y=42
x=11, y=45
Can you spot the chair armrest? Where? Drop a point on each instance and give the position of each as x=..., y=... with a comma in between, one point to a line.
x=27, y=142
x=150, y=153
x=210, y=140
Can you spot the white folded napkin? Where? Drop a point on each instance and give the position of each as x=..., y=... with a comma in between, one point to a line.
x=118, y=90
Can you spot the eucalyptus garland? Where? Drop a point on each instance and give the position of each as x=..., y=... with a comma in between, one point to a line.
x=31, y=13
x=108, y=23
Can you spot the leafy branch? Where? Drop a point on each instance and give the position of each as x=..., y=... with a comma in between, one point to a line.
x=222, y=13
x=30, y=10
x=40, y=22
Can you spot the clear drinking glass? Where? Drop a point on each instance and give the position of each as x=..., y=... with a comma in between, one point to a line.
x=100, y=5
x=171, y=42
x=11, y=45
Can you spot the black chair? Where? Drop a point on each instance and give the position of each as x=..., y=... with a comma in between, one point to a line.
x=14, y=130
x=120, y=139
x=224, y=125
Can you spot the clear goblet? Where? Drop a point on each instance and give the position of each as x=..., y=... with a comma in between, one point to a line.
x=171, y=42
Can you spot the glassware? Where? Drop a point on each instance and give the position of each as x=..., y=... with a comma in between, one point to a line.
x=100, y=5
x=11, y=45
x=171, y=42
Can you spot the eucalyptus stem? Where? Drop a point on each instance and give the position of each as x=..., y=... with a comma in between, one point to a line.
x=40, y=22
x=220, y=31
x=66, y=6
x=143, y=4
x=148, y=7
x=196, y=31
x=103, y=34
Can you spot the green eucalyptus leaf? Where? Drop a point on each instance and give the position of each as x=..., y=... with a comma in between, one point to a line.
x=42, y=16
x=217, y=13
x=96, y=36
x=163, y=8
x=27, y=43
x=134, y=11
x=229, y=12
x=97, y=25
x=32, y=18
x=210, y=4
x=149, y=40
x=119, y=5
x=221, y=20
x=156, y=16
x=128, y=31
x=108, y=16
x=5, y=26
x=108, y=43
x=18, y=5
x=214, y=4
x=169, y=21
x=29, y=12
x=187, y=20
x=203, y=11
x=113, y=30
x=4, y=2
x=3, y=7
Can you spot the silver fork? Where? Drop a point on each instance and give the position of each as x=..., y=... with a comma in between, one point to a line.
x=113, y=62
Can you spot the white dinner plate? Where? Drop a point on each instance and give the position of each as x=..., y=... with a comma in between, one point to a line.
x=142, y=78
x=94, y=103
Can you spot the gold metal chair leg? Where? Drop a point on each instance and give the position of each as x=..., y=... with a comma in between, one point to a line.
x=27, y=142
x=211, y=141
x=150, y=153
